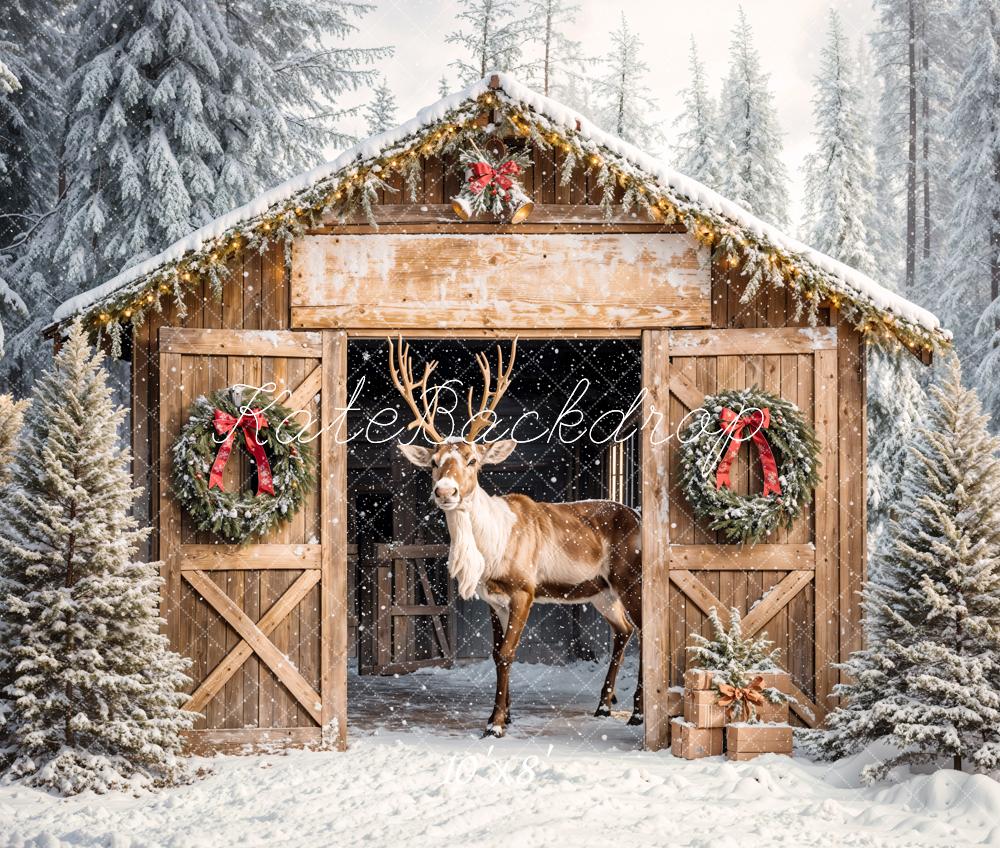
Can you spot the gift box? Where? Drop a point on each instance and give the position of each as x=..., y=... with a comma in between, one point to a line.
x=692, y=743
x=675, y=701
x=701, y=708
x=746, y=741
x=769, y=713
x=779, y=680
x=698, y=678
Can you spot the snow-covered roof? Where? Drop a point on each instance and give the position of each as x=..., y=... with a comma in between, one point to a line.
x=855, y=287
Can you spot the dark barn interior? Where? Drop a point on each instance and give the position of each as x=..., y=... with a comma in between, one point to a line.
x=406, y=614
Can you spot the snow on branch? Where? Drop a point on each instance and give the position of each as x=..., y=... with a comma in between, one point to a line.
x=348, y=185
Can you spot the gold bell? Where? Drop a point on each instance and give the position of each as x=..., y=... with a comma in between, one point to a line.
x=460, y=206
x=521, y=208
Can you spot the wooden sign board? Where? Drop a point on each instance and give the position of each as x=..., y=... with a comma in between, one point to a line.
x=558, y=281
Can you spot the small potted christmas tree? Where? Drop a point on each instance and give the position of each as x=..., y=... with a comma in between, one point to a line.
x=736, y=682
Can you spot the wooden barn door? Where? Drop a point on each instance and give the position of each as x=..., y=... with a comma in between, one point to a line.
x=788, y=587
x=265, y=625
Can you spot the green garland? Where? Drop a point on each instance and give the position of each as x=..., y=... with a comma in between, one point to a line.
x=355, y=188
x=238, y=517
x=793, y=441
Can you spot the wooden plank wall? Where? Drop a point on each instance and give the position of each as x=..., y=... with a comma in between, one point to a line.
x=398, y=280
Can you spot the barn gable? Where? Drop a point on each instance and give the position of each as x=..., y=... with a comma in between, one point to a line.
x=388, y=179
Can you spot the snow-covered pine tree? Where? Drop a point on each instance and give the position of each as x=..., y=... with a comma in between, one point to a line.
x=171, y=126
x=895, y=405
x=561, y=57
x=625, y=103
x=493, y=33
x=929, y=679
x=970, y=302
x=32, y=46
x=181, y=110
x=380, y=112
x=96, y=691
x=11, y=418
x=885, y=217
x=8, y=82
x=916, y=61
x=444, y=87
x=311, y=53
x=839, y=176
x=577, y=93
x=698, y=140
x=753, y=173
x=839, y=211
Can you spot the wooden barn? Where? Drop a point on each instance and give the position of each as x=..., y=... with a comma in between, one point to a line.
x=611, y=269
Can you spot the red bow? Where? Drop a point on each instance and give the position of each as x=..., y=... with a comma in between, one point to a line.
x=483, y=173
x=250, y=422
x=733, y=425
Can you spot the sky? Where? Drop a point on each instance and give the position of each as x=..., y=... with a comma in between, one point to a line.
x=787, y=33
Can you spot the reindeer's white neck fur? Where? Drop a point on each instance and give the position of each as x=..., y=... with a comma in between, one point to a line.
x=479, y=531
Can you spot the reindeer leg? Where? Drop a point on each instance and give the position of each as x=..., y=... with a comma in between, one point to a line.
x=610, y=606
x=520, y=606
x=637, y=717
x=498, y=620
x=608, y=690
x=633, y=603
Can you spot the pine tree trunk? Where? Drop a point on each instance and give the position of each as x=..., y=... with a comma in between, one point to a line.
x=995, y=231
x=548, y=49
x=956, y=762
x=483, y=57
x=621, y=103
x=911, y=163
x=925, y=114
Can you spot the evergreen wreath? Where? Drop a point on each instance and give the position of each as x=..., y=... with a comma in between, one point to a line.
x=217, y=424
x=786, y=445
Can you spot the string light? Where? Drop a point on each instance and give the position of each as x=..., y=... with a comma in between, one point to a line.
x=703, y=225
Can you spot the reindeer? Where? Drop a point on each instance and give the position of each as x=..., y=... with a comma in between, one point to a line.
x=512, y=551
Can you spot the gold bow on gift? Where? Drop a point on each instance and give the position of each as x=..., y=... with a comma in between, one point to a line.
x=742, y=697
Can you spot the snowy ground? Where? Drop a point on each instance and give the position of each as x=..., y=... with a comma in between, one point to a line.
x=560, y=775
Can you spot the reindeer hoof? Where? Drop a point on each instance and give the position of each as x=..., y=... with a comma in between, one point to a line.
x=510, y=718
x=635, y=719
x=602, y=711
x=614, y=698
x=495, y=731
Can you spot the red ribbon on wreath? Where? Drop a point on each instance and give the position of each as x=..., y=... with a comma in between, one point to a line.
x=733, y=426
x=483, y=174
x=250, y=422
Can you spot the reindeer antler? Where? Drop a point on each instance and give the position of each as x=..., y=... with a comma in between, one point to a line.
x=478, y=421
x=404, y=383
